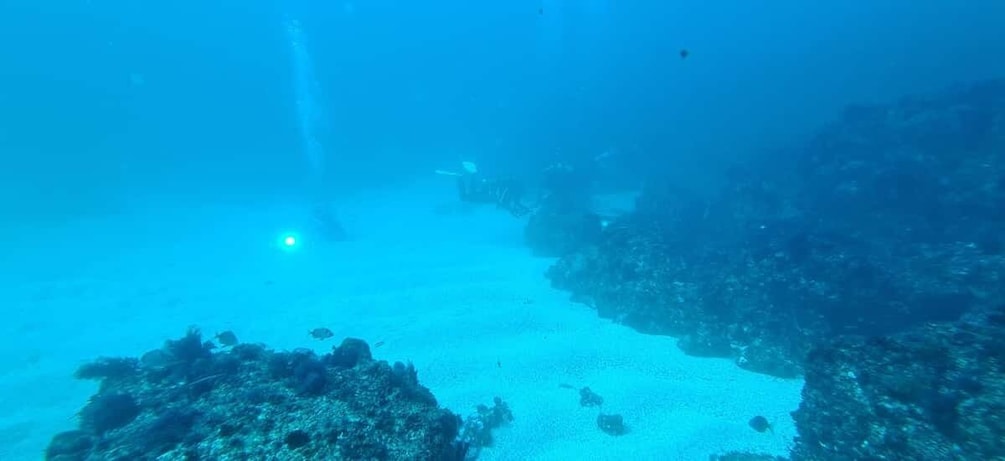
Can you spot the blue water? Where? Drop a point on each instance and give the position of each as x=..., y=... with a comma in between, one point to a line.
x=106, y=100
x=111, y=108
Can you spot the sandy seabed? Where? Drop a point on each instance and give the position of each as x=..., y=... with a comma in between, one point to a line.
x=452, y=290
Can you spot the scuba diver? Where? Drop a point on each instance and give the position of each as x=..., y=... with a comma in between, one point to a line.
x=506, y=193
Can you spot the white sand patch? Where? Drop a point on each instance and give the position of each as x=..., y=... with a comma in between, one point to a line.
x=454, y=293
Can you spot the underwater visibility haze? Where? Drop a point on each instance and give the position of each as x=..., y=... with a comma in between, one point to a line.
x=521, y=230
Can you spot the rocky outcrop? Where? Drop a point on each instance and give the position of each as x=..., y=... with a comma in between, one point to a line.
x=189, y=401
x=935, y=393
x=891, y=217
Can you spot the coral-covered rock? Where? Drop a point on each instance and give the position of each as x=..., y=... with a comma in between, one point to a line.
x=891, y=217
x=935, y=393
x=187, y=401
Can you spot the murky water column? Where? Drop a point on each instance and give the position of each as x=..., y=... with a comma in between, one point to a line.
x=598, y=8
x=598, y=13
x=311, y=119
x=552, y=27
x=551, y=30
x=309, y=114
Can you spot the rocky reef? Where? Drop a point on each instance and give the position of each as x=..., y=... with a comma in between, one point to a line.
x=554, y=231
x=190, y=401
x=564, y=220
x=891, y=217
x=935, y=393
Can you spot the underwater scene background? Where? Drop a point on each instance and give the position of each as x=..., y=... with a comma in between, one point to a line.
x=534, y=229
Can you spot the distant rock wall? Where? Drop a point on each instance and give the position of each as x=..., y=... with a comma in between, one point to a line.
x=891, y=217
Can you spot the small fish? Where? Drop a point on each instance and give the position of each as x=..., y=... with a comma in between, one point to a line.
x=321, y=333
x=227, y=338
x=540, y=11
x=760, y=424
x=684, y=53
x=378, y=344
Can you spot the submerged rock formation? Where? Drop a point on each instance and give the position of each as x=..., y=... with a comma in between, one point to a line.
x=935, y=393
x=891, y=217
x=187, y=401
x=564, y=220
